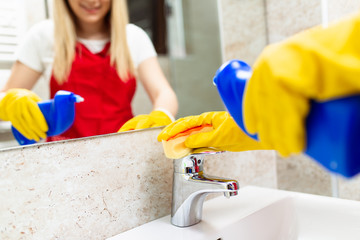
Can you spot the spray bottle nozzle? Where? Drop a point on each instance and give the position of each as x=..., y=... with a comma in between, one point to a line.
x=78, y=98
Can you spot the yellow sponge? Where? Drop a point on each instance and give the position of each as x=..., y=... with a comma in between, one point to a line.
x=175, y=147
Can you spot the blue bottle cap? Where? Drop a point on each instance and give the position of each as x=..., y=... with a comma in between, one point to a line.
x=230, y=80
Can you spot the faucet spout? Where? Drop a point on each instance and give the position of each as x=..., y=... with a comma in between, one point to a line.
x=191, y=186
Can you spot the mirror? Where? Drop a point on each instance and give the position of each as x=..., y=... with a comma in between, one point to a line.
x=167, y=22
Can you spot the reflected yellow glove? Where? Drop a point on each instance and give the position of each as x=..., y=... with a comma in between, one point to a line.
x=226, y=136
x=316, y=64
x=154, y=119
x=20, y=107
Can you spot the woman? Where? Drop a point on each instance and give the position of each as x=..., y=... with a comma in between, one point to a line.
x=91, y=50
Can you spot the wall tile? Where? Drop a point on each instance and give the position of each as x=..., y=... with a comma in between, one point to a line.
x=243, y=29
x=249, y=168
x=302, y=174
x=285, y=18
x=340, y=9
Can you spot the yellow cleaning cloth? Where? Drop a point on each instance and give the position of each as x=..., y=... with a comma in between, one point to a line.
x=175, y=148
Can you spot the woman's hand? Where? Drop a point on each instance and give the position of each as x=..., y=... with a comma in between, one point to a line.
x=154, y=119
x=225, y=136
x=19, y=106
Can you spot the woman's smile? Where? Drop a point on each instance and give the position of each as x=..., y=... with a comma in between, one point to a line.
x=90, y=9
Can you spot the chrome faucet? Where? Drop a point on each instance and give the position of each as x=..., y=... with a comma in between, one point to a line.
x=191, y=186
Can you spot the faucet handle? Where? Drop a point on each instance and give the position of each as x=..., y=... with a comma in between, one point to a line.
x=193, y=163
x=206, y=151
x=189, y=164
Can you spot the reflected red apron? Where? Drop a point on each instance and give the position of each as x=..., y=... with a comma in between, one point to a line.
x=107, y=104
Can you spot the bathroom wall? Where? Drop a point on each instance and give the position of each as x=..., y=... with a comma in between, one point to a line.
x=94, y=188
x=285, y=18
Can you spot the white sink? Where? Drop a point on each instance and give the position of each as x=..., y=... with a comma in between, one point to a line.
x=262, y=214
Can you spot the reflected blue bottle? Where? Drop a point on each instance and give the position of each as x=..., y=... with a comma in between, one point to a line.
x=59, y=114
x=332, y=127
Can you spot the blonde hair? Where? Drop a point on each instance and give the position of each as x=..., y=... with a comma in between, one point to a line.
x=65, y=40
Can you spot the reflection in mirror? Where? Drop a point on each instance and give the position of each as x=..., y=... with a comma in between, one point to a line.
x=72, y=52
x=189, y=44
x=195, y=53
x=190, y=73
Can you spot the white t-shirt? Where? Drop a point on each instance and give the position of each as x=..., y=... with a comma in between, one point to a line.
x=37, y=49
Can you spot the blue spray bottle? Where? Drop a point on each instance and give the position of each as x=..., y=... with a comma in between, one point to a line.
x=59, y=114
x=332, y=127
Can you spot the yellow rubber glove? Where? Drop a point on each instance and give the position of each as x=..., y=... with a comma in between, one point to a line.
x=19, y=106
x=154, y=119
x=226, y=136
x=318, y=64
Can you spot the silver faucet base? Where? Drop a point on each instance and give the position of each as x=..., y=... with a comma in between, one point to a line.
x=191, y=186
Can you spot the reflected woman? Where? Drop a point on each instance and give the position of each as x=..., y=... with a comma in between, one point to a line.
x=89, y=48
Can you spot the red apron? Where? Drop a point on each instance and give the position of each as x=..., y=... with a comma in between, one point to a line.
x=107, y=104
